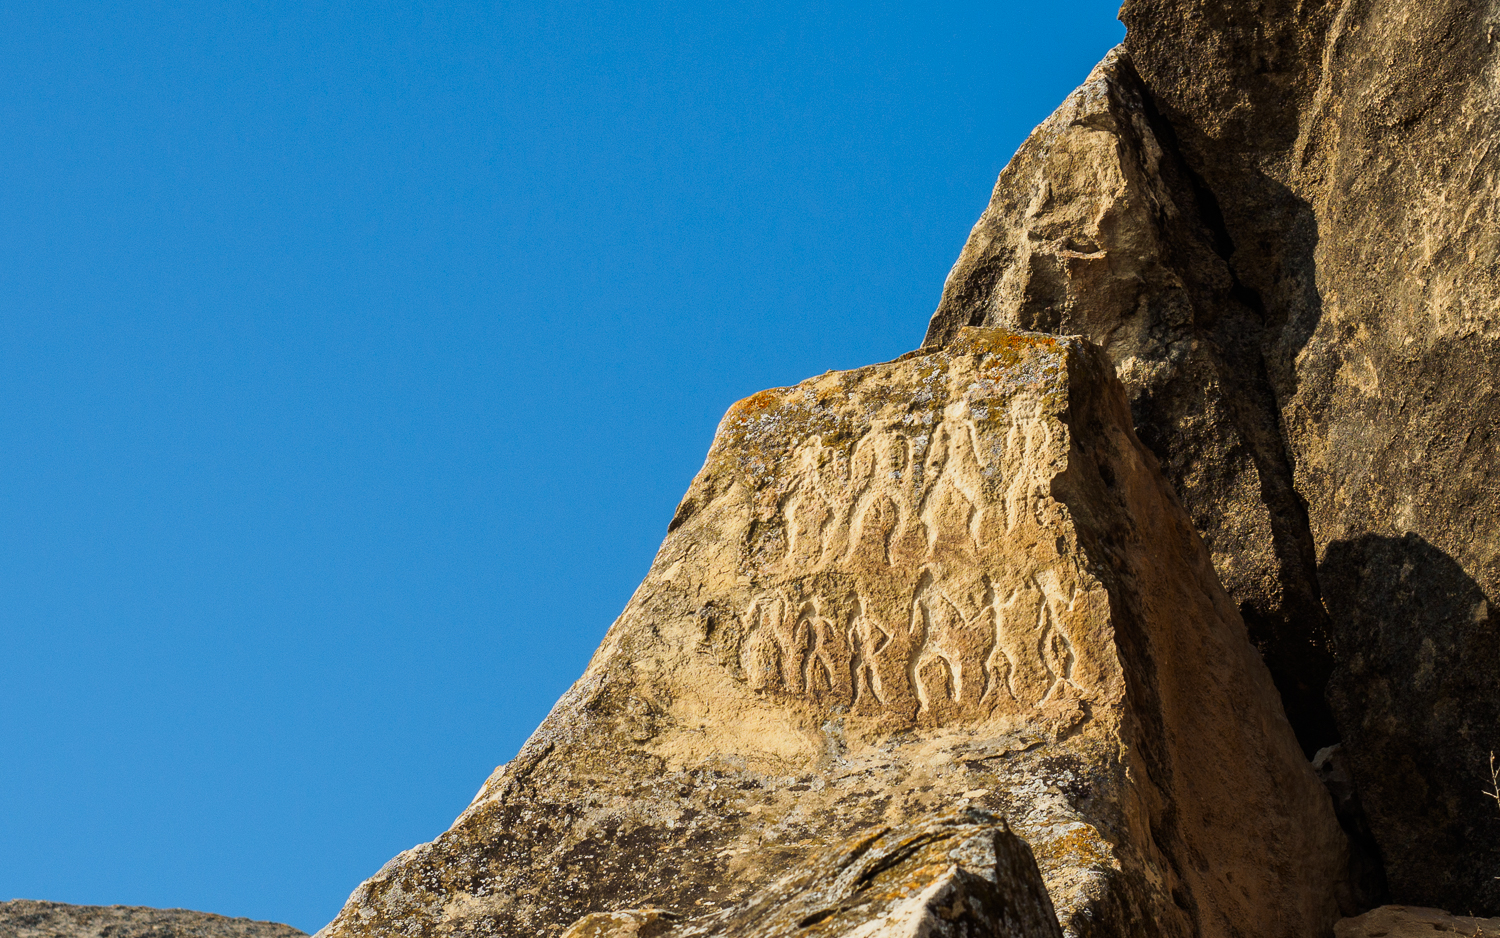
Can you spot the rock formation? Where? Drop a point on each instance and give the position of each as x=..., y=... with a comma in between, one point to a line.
x=1395, y=921
x=1280, y=220
x=930, y=648
x=961, y=644
x=23, y=918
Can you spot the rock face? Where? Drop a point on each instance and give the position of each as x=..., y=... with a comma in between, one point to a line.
x=1280, y=219
x=23, y=918
x=931, y=648
x=1098, y=228
x=964, y=877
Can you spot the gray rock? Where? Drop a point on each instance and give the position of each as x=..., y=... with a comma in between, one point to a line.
x=1355, y=150
x=25, y=918
x=1098, y=228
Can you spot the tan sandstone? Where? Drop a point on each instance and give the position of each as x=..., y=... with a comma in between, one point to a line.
x=930, y=649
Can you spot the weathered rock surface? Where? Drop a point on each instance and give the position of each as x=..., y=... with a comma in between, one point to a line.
x=963, y=875
x=1355, y=149
x=1097, y=228
x=1399, y=921
x=24, y=918
x=929, y=646
x=1280, y=218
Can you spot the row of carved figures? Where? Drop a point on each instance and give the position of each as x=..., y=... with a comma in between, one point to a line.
x=892, y=507
x=1011, y=652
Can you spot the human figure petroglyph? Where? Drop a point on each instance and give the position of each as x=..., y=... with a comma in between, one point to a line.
x=953, y=505
x=1057, y=650
x=1038, y=653
x=1019, y=616
x=895, y=497
x=827, y=664
x=962, y=648
x=961, y=643
x=1026, y=441
x=776, y=646
x=868, y=643
x=810, y=510
x=880, y=476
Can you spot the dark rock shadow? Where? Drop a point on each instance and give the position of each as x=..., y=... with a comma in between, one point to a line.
x=1252, y=329
x=1416, y=693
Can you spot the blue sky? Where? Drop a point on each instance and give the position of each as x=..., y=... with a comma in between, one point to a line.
x=353, y=358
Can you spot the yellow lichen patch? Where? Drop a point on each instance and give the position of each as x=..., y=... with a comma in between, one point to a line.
x=835, y=408
x=1078, y=848
x=760, y=430
x=1008, y=345
x=756, y=403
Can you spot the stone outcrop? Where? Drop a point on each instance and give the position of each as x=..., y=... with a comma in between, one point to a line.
x=931, y=648
x=24, y=918
x=1353, y=148
x=954, y=877
x=1098, y=228
x=1399, y=921
x=1280, y=219
x=961, y=644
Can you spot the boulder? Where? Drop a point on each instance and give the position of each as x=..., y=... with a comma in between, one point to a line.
x=1399, y=921
x=931, y=648
x=1351, y=146
x=26, y=918
x=1098, y=228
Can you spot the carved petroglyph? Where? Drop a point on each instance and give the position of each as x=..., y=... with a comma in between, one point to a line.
x=868, y=642
x=950, y=661
x=950, y=653
x=911, y=580
x=905, y=494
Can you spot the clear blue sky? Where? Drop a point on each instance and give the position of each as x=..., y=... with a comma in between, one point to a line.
x=353, y=357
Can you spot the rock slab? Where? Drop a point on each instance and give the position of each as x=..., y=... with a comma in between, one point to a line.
x=1399, y=921
x=930, y=648
x=1351, y=148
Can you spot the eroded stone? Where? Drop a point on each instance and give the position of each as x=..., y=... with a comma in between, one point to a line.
x=951, y=581
x=26, y=918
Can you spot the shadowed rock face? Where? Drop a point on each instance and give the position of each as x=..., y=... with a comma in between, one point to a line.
x=1418, y=682
x=1279, y=218
x=24, y=918
x=1098, y=228
x=930, y=649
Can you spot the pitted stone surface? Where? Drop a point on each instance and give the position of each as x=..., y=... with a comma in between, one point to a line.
x=25, y=918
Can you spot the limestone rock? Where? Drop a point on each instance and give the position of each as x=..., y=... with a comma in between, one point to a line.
x=929, y=645
x=24, y=918
x=1280, y=218
x=1399, y=921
